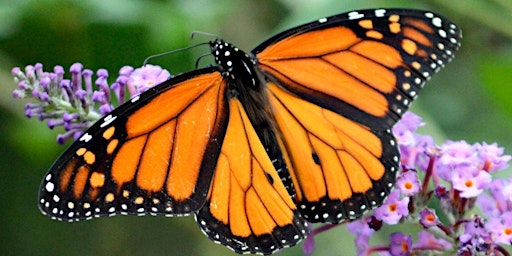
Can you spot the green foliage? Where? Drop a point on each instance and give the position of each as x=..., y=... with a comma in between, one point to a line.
x=497, y=76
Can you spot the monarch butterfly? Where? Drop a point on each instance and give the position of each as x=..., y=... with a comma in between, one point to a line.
x=258, y=146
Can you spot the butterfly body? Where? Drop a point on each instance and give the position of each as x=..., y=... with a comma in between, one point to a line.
x=296, y=131
x=246, y=82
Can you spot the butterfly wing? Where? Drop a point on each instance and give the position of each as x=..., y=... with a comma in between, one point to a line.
x=337, y=86
x=153, y=154
x=248, y=208
x=339, y=167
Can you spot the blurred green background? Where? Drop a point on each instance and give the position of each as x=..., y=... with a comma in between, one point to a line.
x=470, y=99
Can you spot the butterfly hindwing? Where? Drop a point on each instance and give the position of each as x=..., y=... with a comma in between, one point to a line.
x=248, y=208
x=152, y=155
x=342, y=168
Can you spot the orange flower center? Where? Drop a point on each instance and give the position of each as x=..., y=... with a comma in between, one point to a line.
x=405, y=247
x=468, y=183
x=392, y=207
x=408, y=185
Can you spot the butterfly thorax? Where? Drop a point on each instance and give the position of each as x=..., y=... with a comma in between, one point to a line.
x=236, y=65
x=246, y=83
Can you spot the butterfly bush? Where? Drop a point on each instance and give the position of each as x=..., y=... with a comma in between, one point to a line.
x=77, y=102
x=449, y=180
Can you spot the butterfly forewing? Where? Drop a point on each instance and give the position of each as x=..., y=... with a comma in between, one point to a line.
x=138, y=159
x=366, y=65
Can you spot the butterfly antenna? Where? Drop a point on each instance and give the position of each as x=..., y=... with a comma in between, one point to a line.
x=171, y=52
x=201, y=57
x=195, y=32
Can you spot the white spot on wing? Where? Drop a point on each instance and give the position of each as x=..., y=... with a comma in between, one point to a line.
x=354, y=15
x=86, y=137
x=442, y=33
x=107, y=120
x=49, y=187
x=437, y=22
x=134, y=99
x=380, y=12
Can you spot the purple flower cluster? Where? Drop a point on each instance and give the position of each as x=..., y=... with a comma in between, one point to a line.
x=458, y=176
x=76, y=103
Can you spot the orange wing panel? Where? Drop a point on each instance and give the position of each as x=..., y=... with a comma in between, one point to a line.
x=161, y=109
x=337, y=158
x=220, y=191
x=126, y=161
x=258, y=204
x=154, y=164
x=371, y=73
x=379, y=52
x=321, y=76
x=193, y=131
x=311, y=44
x=65, y=176
x=80, y=180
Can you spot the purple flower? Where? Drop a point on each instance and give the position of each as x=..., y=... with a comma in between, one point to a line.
x=470, y=182
x=413, y=146
x=488, y=205
x=404, y=130
x=308, y=246
x=507, y=191
x=501, y=228
x=393, y=209
x=475, y=235
x=360, y=227
x=425, y=148
x=58, y=99
x=491, y=157
x=456, y=154
x=500, y=199
x=410, y=122
x=427, y=241
x=362, y=230
x=400, y=244
x=408, y=183
x=141, y=79
x=428, y=218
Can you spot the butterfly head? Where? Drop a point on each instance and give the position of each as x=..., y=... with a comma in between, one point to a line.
x=235, y=64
